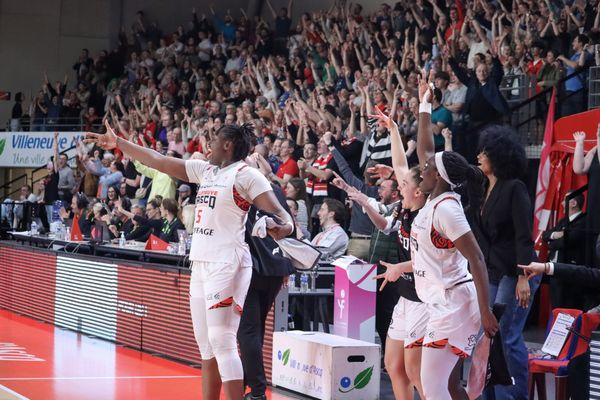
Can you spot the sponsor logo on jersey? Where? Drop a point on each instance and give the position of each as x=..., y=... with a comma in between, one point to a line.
x=204, y=231
x=420, y=273
x=207, y=198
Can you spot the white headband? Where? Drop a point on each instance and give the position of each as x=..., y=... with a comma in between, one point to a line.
x=439, y=164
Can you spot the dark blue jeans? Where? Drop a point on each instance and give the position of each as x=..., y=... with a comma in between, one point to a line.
x=511, y=328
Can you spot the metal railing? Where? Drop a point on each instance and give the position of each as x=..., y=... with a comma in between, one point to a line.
x=12, y=187
x=594, y=88
x=528, y=109
x=516, y=89
x=65, y=124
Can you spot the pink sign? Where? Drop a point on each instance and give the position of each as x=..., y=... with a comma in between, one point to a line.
x=354, y=300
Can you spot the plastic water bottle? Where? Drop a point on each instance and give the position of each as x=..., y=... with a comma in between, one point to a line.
x=56, y=206
x=34, y=228
x=181, y=247
x=304, y=282
x=67, y=233
x=292, y=283
x=122, y=240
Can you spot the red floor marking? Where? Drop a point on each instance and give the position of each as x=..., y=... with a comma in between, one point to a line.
x=40, y=361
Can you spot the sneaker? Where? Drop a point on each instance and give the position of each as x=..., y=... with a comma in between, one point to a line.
x=249, y=396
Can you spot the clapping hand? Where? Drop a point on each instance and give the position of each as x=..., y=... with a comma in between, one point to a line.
x=302, y=164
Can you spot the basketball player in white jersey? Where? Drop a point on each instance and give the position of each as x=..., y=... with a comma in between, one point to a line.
x=443, y=246
x=406, y=332
x=221, y=262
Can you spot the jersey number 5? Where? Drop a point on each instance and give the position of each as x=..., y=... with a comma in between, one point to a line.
x=198, y=216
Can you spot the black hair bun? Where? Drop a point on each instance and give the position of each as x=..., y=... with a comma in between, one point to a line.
x=247, y=129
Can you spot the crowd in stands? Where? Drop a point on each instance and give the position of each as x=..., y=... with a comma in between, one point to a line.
x=309, y=89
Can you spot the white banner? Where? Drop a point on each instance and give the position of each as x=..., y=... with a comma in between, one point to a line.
x=33, y=149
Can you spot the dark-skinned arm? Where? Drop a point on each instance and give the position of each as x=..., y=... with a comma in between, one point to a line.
x=469, y=248
x=153, y=159
x=168, y=165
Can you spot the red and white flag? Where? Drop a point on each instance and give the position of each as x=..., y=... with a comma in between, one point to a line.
x=541, y=215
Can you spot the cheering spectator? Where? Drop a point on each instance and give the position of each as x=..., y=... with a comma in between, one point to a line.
x=109, y=177
x=333, y=240
x=288, y=168
x=296, y=190
x=66, y=179
x=184, y=192
x=575, y=101
x=162, y=184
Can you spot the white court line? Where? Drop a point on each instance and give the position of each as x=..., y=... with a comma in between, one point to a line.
x=13, y=395
x=50, y=378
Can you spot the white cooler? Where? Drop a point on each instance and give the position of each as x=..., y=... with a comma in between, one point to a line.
x=326, y=366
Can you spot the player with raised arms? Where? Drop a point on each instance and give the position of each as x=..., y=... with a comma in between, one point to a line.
x=221, y=262
x=443, y=247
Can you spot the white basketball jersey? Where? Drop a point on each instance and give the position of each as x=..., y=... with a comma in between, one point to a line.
x=219, y=217
x=437, y=264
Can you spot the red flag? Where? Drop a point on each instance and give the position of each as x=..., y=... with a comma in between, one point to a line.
x=156, y=243
x=76, y=235
x=541, y=215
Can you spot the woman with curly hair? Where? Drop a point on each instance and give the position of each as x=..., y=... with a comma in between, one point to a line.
x=502, y=224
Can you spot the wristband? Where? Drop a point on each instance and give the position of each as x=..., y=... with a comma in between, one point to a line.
x=425, y=108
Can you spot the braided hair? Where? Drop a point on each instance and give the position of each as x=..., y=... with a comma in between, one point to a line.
x=461, y=172
x=240, y=136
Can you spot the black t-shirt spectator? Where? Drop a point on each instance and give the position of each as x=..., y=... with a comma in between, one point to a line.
x=282, y=27
x=166, y=231
x=130, y=173
x=351, y=149
x=562, y=43
x=123, y=226
x=51, y=188
x=17, y=111
x=138, y=233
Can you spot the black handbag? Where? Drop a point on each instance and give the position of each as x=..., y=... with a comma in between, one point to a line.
x=497, y=370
